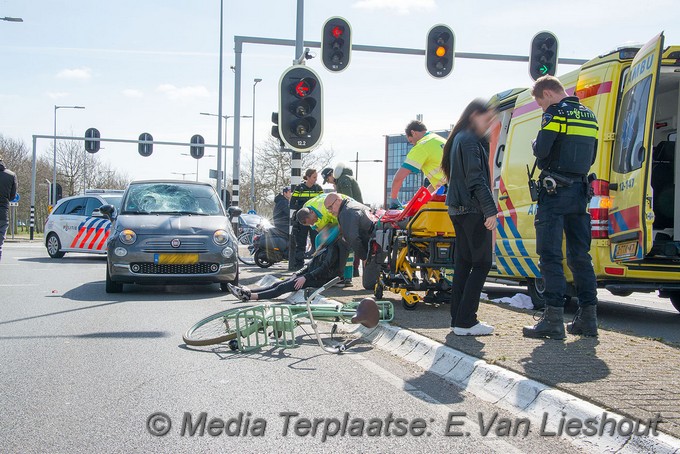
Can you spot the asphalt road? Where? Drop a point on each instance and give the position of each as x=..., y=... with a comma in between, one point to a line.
x=85, y=371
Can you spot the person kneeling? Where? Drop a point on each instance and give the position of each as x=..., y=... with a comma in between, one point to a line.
x=321, y=269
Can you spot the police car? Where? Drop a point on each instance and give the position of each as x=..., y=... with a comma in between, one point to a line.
x=76, y=225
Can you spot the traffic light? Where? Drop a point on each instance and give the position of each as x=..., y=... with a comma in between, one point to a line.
x=336, y=44
x=92, y=146
x=543, y=56
x=439, y=51
x=300, y=108
x=275, y=129
x=59, y=193
x=145, y=149
x=197, y=150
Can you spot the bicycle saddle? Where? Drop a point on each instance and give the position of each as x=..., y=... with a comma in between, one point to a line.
x=367, y=313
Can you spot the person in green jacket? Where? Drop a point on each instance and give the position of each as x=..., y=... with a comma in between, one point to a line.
x=343, y=179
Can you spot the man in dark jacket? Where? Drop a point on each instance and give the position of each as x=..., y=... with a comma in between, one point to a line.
x=282, y=209
x=342, y=178
x=8, y=190
x=356, y=222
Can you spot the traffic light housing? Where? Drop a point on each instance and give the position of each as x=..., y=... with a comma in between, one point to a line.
x=145, y=149
x=59, y=193
x=440, y=51
x=300, y=108
x=197, y=150
x=543, y=55
x=92, y=146
x=336, y=44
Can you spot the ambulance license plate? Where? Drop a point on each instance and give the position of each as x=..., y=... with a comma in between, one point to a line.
x=626, y=250
x=175, y=259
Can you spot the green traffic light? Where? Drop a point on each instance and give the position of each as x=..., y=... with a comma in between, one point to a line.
x=543, y=69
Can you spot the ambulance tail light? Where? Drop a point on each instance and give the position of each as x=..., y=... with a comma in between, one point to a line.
x=599, y=209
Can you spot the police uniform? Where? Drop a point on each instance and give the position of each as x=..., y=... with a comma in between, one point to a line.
x=565, y=149
x=301, y=194
x=426, y=156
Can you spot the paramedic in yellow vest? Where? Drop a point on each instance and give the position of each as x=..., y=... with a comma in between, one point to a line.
x=314, y=214
x=425, y=156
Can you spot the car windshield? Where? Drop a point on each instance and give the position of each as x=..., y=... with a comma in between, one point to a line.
x=171, y=198
x=113, y=200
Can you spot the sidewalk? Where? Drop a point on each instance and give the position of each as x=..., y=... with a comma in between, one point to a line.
x=633, y=376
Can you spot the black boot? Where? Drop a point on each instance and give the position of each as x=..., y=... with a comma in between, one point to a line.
x=551, y=325
x=585, y=321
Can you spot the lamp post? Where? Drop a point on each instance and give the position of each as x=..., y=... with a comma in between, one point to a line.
x=182, y=173
x=54, y=158
x=252, y=160
x=357, y=161
x=197, y=160
x=226, y=125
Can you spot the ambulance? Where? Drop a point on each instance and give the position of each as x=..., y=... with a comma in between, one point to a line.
x=635, y=94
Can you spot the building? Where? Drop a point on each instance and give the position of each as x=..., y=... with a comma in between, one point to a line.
x=396, y=149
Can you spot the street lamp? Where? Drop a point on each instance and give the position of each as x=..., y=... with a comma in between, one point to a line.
x=357, y=161
x=226, y=125
x=54, y=158
x=197, y=160
x=12, y=19
x=252, y=161
x=182, y=173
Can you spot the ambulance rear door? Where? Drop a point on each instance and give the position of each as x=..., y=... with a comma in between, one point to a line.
x=631, y=215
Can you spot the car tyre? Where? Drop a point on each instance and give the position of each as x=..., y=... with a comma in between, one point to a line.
x=54, y=246
x=111, y=286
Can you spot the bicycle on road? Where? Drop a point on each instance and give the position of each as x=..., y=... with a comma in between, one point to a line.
x=254, y=327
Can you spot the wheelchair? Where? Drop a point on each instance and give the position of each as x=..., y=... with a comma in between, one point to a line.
x=413, y=251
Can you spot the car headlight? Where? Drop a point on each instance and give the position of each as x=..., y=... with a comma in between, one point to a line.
x=220, y=237
x=127, y=236
x=228, y=252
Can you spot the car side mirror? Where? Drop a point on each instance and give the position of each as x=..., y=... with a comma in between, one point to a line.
x=234, y=212
x=107, y=211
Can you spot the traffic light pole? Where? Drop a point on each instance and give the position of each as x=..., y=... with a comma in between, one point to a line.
x=98, y=139
x=238, y=51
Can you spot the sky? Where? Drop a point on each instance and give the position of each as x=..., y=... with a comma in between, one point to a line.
x=152, y=66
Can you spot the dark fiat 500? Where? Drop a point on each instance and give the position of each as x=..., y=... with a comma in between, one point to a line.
x=170, y=232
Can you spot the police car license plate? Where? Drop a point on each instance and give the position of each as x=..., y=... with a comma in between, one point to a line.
x=175, y=259
x=626, y=250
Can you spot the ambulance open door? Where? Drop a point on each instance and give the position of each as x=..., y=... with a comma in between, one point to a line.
x=631, y=215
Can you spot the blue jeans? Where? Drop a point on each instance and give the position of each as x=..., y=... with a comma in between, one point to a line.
x=565, y=213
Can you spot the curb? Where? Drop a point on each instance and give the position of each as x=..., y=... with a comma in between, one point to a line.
x=516, y=393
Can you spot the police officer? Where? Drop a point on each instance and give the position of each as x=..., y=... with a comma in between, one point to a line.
x=302, y=192
x=565, y=149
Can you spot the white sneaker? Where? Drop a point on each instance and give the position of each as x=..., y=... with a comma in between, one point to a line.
x=480, y=329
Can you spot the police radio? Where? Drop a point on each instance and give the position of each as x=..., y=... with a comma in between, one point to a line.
x=533, y=184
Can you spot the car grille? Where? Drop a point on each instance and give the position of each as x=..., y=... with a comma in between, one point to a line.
x=152, y=268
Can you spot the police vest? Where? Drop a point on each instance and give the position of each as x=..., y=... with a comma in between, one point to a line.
x=573, y=151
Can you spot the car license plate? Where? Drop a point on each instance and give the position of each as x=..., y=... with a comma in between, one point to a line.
x=626, y=250
x=175, y=259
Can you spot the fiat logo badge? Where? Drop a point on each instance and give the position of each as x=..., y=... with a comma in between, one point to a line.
x=175, y=243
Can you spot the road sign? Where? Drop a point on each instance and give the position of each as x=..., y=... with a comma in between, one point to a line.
x=16, y=198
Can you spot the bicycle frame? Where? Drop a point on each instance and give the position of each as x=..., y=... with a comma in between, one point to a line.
x=251, y=327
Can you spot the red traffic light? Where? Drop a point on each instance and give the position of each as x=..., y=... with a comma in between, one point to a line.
x=304, y=87
x=337, y=31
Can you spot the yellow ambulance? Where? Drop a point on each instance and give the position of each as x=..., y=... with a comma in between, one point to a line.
x=635, y=94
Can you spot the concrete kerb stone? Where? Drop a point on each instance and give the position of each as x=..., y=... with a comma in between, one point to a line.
x=511, y=391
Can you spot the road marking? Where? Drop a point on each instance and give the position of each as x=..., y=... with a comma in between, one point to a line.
x=19, y=285
x=490, y=440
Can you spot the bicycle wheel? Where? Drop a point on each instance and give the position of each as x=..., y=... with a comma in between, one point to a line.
x=245, y=247
x=215, y=329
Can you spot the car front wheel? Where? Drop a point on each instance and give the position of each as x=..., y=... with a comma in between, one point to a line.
x=54, y=246
x=111, y=286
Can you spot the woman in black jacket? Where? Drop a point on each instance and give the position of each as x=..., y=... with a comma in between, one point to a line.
x=321, y=269
x=473, y=213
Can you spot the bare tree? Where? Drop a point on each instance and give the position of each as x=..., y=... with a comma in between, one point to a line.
x=272, y=172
